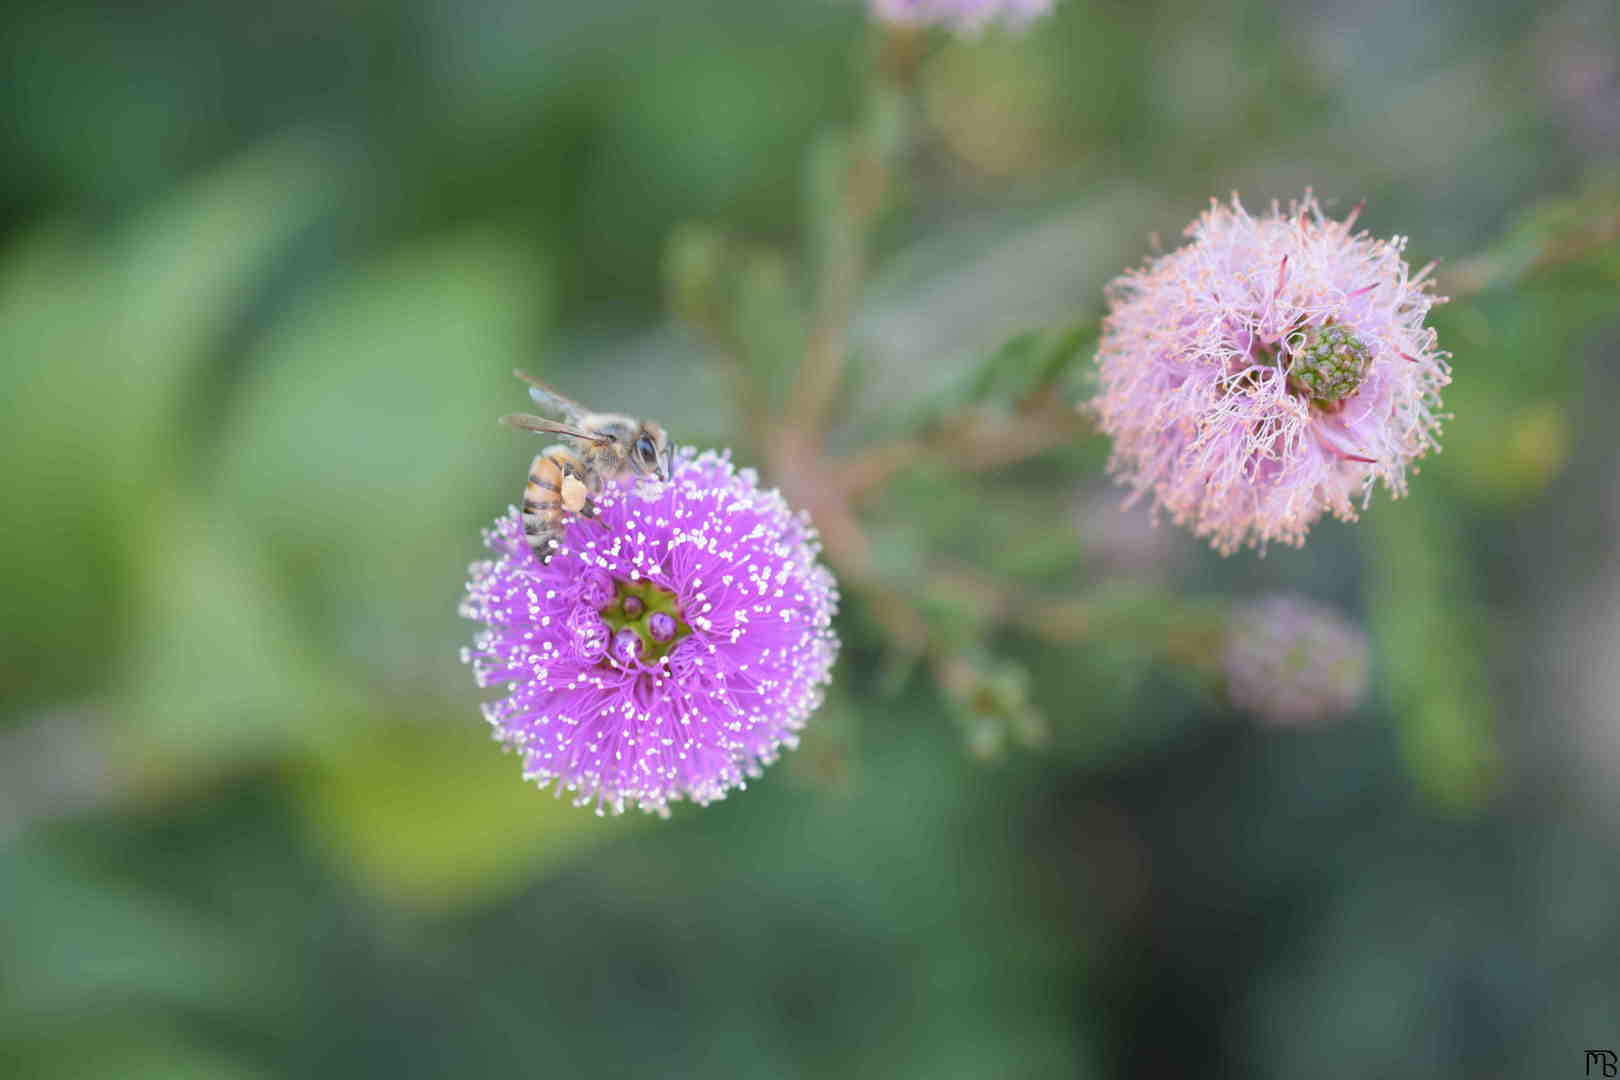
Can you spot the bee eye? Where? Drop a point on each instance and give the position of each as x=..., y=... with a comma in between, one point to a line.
x=645, y=450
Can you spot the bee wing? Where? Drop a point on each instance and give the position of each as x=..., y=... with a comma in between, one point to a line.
x=547, y=398
x=549, y=427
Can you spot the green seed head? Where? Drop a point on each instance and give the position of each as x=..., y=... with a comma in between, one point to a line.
x=1329, y=363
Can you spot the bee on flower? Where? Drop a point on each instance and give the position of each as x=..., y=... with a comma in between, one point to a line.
x=668, y=652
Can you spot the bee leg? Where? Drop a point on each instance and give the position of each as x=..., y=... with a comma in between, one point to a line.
x=591, y=512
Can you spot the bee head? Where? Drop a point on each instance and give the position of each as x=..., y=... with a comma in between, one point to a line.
x=651, y=454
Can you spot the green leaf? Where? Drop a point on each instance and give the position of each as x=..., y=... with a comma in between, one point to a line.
x=104, y=337
x=76, y=941
x=1067, y=348
x=1009, y=369
x=130, y=1046
x=366, y=453
x=219, y=671
x=1029, y=364
x=1428, y=639
x=434, y=817
x=1577, y=231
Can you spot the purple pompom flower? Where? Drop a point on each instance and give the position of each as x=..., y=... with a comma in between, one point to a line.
x=1292, y=662
x=969, y=16
x=667, y=651
x=1273, y=369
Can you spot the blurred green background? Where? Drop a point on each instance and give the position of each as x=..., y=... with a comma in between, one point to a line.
x=263, y=273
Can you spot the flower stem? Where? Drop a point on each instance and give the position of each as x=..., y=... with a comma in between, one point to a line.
x=853, y=177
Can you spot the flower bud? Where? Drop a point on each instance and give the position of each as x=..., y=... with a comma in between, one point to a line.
x=1328, y=363
x=1291, y=662
x=626, y=646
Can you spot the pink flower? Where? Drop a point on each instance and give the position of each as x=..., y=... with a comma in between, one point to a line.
x=1292, y=663
x=670, y=649
x=1272, y=369
x=968, y=16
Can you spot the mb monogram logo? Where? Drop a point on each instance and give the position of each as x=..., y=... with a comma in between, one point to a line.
x=1605, y=1061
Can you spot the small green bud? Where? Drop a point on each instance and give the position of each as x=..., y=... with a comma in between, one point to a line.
x=986, y=739
x=992, y=702
x=695, y=275
x=1328, y=363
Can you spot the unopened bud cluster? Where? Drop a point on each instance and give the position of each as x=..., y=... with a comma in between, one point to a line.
x=1328, y=363
x=645, y=621
x=1292, y=662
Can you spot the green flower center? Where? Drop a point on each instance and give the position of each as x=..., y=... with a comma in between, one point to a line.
x=652, y=612
x=1328, y=363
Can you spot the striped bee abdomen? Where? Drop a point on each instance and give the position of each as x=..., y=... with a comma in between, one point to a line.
x=543, y=506
x=599, y=449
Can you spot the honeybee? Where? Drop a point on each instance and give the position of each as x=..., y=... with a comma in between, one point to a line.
x=565, y=479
